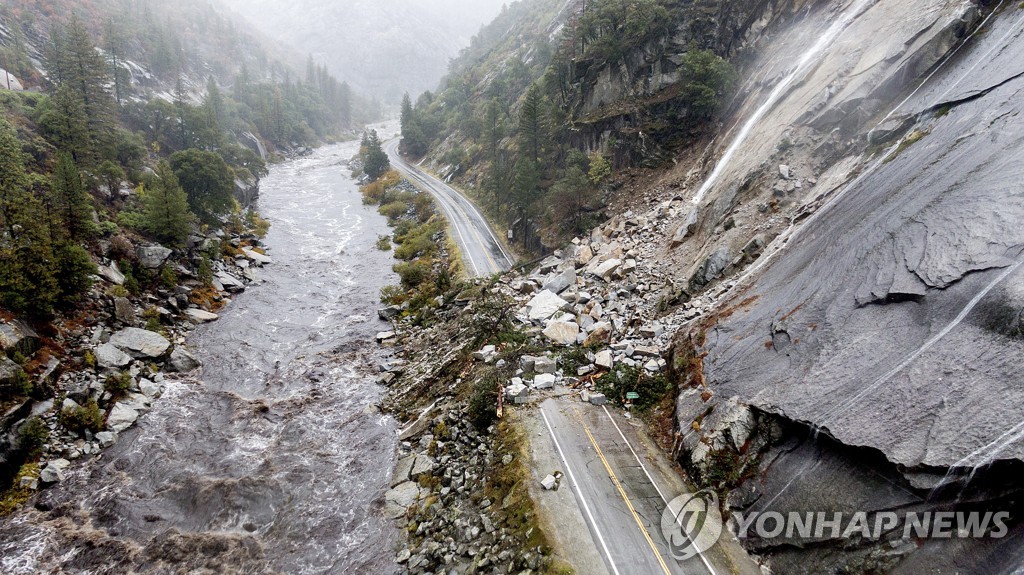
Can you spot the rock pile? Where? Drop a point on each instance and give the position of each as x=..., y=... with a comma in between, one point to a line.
x=134, y=340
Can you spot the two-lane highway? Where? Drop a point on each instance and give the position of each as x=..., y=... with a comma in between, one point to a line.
x=482, y=253
x=621, y=486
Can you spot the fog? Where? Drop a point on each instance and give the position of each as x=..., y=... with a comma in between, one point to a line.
x=382, y=48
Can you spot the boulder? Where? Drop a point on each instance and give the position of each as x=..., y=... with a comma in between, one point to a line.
x=149, y=388
x=152, y=257
x=598, y=399
x=486, y=354
x=544, y=365
x=710, y=269
x=9, y=371
x=197, y=315
x=562, y=332
x=544, y=381
x=603, y=359
x=106, y=438
x=584, y=255
x=600, y=333
x=516, y=391
x=403, y=470
x=108, y=356
x=54, y=471
x=549, y=483
x=605, y=270
x=124, y=311
x=422, y=465
x=560, y=282
x=389, y=313
x=544, y=305
x=400, y=498
x=140, y=343
x=111, y=274
x=256, y=257
x=230, y=282
x=121, y=417
x=18, y=337
x=182, y=361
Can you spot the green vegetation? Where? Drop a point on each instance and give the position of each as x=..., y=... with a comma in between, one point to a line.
x=32, y=436
x=513, y=119
x=375, y=161
x=82, y=418
x=118, y=384
x=651, y=388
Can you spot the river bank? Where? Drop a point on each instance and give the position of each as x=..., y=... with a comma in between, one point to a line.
x=260, y=462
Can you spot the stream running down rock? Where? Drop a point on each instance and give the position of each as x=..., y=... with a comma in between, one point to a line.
x=272, y=459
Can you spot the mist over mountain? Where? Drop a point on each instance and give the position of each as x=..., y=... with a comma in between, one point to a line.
x=382, y=48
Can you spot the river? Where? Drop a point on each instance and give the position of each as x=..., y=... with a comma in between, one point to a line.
x=273, y=458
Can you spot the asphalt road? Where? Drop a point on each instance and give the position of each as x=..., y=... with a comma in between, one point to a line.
x=622, y=485
x=482, y=253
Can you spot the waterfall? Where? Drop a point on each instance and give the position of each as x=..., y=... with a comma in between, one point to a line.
x=810, y=58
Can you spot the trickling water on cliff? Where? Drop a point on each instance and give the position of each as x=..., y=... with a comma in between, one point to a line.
x=272, y=459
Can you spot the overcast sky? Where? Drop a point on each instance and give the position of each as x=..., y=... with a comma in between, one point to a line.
x=383, y=48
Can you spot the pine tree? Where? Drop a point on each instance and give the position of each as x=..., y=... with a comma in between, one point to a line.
x=27, y=281
x=215, y=101
x=69, y=202
x=207, y=181
x=82, y=69
x=167, y=216
x=345, y=106
x=64, y=123
x=376, y=162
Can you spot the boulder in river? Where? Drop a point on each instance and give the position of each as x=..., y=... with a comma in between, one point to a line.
x=182, y=361
x=54, y=471
x=122, y=416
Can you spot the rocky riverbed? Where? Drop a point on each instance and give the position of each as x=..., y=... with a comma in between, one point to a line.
x=258, y=462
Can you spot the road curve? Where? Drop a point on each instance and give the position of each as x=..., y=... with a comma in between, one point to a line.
x=482, y=252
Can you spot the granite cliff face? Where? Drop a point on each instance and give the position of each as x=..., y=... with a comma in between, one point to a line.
x=863, y=239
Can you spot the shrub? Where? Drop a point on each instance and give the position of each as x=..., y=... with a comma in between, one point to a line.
x=412, y=274
x=394, y=210
x=32, y=436
x=623, y=379
x=84, y=417
x=384, y=243
x=391, y=294
x=118, y=383
x=483, y=404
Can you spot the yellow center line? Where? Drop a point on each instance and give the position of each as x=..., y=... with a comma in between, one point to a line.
x=622, y=492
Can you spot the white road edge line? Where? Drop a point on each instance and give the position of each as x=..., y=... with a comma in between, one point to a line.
x=444, y=207
x=579, y=493
x=651, y=479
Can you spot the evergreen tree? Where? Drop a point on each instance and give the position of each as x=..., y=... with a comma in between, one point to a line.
x=345, y=106
x=63, y=121
x=84, y=71
x=215, y=102
x=27, y=281
x=375, y=163
x=207, y=181
x=69, y=202
x=167, y=216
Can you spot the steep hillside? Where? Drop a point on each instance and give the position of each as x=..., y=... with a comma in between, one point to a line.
x=133, y=136
x=825, y=225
